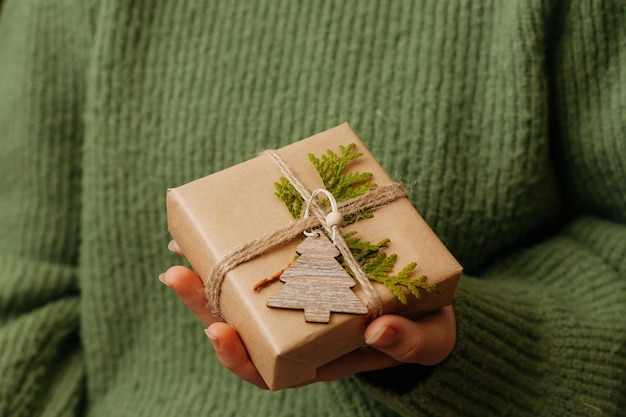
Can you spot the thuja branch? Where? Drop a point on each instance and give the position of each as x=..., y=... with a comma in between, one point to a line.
x=292, y=199
x=378, y=267
x=343, y=185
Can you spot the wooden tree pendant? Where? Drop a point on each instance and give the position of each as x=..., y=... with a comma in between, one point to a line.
x=317, y=283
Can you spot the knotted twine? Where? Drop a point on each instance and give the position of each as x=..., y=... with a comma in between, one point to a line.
x=372, y=200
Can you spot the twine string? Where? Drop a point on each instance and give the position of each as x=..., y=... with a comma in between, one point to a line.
x=334, y=208
x=372, y=200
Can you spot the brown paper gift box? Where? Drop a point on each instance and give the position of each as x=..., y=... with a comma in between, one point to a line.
x=210, y=216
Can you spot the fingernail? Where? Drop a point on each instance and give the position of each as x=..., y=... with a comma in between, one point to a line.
x=170, y=246
x=162, y=279
x=382, y=337
x=212, y=338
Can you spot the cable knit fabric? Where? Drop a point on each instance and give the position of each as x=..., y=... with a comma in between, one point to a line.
x=507, y=118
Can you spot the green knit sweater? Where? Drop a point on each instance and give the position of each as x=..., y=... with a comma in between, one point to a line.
x=507, y=117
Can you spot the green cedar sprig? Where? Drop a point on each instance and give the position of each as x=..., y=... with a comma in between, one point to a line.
x=341, y=184
x=378, y=266
x=292, y=199
x=344, y=186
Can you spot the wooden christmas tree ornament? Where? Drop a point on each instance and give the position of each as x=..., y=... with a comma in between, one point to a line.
x=316, y=282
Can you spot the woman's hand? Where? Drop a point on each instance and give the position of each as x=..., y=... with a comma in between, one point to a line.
x=391, y=340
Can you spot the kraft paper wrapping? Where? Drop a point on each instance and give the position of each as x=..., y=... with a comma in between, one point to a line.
x=210, y=216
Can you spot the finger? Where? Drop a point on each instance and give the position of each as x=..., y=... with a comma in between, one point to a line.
x=173, y=246
x=190, y=289
x=232, y=353
x=427, y=341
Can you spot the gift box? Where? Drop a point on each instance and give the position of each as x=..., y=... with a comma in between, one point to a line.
x=218, y=218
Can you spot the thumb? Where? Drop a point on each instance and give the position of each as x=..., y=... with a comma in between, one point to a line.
x=427, y=341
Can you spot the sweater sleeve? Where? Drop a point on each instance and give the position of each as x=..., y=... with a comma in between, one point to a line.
x=41, y=91
x=541, y=330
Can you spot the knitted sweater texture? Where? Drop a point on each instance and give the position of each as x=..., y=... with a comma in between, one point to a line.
x=506, y=117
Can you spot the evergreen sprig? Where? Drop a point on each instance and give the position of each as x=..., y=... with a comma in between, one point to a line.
x=292, y=199
x=344, y=186
x=378, y=266
x=341, y=184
